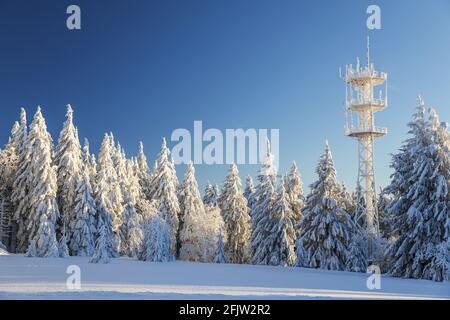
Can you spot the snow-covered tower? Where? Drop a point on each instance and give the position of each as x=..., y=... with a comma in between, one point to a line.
x=361, y=105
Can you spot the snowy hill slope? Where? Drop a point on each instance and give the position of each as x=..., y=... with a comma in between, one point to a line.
x=36, y=278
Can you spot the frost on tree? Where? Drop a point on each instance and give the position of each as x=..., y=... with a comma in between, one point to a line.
x=83, y=229
x=109, y=195
x=43, y=208
x=249, y=193
x=8, y=167
x=220, y=256
x=294, y=194
x=282, y=237
x=191, y=218
x=326, y=228
x=234, y=210
x=420, y=188
x=68, y=161
x=21, y=186
x=261, y=211
x=211, y=195
x=157, y=241
x=164, y=191
x=63, y=249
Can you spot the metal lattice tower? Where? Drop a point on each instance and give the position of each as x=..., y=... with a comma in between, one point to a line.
x=361, y=105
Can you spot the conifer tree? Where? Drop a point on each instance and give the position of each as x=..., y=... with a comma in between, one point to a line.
x=220, y=256
x=21, y=185
x=249, y=193
x=192, y=218
x=68, y=162
x=156, y=247
x=282, y=237
x=294, y=193
x=211, y=195
x=420, y=187
x=164, y=191
x=261, y=211
x=43, y=208
x=327, y=229
x=233, y=206
x=84, y=230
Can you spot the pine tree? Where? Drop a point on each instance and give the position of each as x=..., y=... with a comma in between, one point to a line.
x=156, y=246
x=421, y=203
x=133, y=230
x=164, y=191
x=191, y=218
x=327, y=229
x=249, y=193
x=282, y=237
x=213, y=225
x=261, y=217
x=43, y=208
x=220, y=251
x=68, y=162
x=8, y=167
x=105, y=246
x=294, y=193
x=108, y=188
x=84, y=230
x=21, y=185
x=233, y=206
x=211, y=195
x=63, y=249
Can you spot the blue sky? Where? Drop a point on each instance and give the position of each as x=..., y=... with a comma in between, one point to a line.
x=144, y=68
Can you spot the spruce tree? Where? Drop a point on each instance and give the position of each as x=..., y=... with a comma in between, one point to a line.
x=249, y=193
x=68, y=162
x=420, y=187
x=261, y=217
x=84, y=230
x=43, y=208
x=21, y=186
x=282, y=237
x=326, y=229
x=156, y=246
x=294, y=193
x=191, y=218
x=220, y=256
x=211, y=195
x=164, y=190
x=233, y=206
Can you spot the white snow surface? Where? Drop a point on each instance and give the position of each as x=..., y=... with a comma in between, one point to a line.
x=123, y=278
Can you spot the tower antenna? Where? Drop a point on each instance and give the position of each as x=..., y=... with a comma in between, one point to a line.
x=362, y=105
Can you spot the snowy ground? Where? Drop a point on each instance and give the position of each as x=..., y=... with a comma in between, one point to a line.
x=34, y=278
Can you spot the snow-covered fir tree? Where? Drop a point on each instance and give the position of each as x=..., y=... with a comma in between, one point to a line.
x=220, y=256
x=68, y=162
x=109, y=194
x=142, y=171
x=82, y=242
x=156, y=245
x=8, y=167
x=420, y=205
x=294, y=193
x=21, y=186
x=164, y=190
x=234, y=210
x=213, y=225
x=211, y=195
x=63, y=249
x=261, y=212
x=326, y=229
x=105, y=246
x=191, y=218
x=249, y=193
x=43, y=207
x=282, y=237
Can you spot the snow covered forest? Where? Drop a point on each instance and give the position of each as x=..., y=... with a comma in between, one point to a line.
x=60, y=200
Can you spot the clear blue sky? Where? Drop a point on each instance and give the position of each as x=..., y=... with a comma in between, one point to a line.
x=144, y=68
